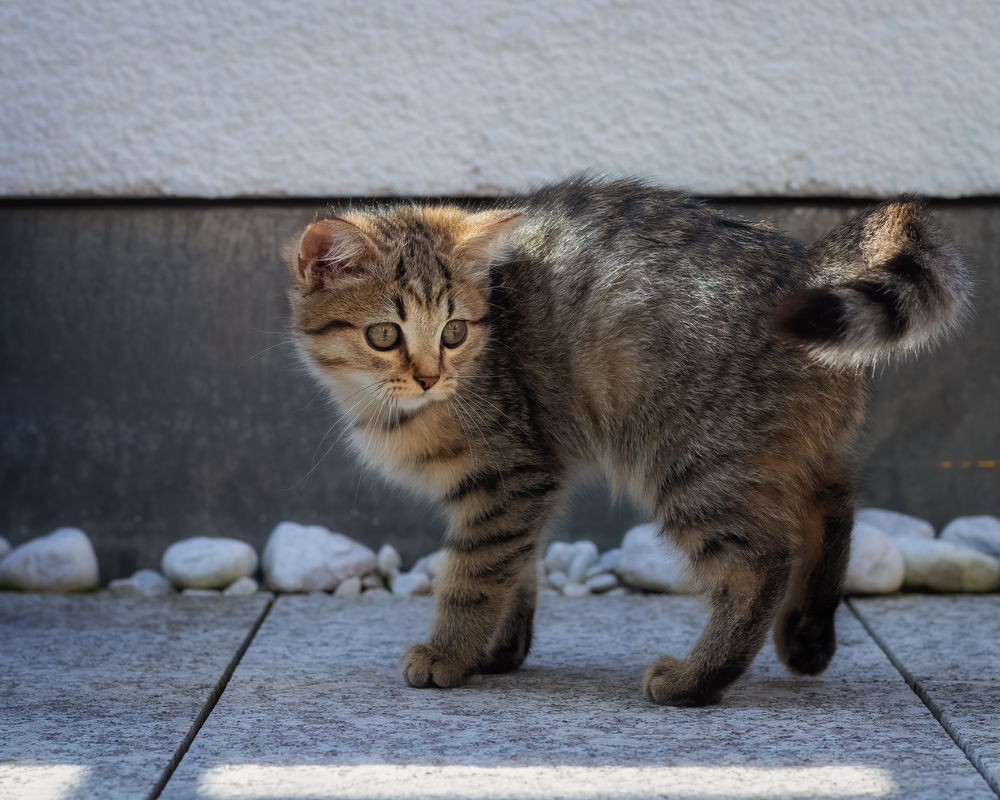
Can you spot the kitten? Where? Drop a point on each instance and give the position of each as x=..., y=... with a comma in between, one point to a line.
x=712, y=369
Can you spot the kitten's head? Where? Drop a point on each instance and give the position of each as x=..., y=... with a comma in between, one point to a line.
x=393, y=303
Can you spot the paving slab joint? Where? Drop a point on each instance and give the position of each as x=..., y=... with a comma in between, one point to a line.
x=925, y=698
x=213, y=698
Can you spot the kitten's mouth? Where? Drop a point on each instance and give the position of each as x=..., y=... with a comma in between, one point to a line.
x=415, y=401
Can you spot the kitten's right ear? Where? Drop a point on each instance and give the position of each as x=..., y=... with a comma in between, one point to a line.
x=327, y=250
x=484, y=233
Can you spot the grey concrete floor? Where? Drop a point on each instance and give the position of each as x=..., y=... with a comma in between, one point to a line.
x=222, y=698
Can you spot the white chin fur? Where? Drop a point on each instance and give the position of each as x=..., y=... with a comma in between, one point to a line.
x=416, y=401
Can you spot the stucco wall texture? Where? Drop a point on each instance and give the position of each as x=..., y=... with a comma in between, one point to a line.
x=382, y=97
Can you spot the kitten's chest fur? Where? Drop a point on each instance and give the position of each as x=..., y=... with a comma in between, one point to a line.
x=427, y=450
x=567, y=409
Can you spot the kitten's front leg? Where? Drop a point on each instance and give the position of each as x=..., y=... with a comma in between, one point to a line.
x=486, y=596
x=470, y=610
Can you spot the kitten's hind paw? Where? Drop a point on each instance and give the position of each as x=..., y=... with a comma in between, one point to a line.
x=425, y=666
x=807, y=644
x=672, y=682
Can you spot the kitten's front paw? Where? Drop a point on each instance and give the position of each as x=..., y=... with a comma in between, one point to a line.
x=425, y=666
x=672, y=682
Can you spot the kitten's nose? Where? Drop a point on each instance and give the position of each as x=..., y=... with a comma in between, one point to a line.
x=426, y=382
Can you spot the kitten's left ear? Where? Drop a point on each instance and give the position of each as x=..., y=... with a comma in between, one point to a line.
x=485, y=233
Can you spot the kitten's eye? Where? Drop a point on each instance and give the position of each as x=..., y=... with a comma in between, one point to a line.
x=454, y=333
x=383, y=335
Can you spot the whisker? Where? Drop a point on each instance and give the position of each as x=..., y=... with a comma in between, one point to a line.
x=337, y=422
x=480, y=397
x=348, y=411
x=467, y=434
x=494, y=340
x=383, y=436
x=328, y=450
x=393, y=412
x=383, y=402
x=486, y=443
x=322, y=458
x=266, y=349
x=273, y=333
x=320, y=391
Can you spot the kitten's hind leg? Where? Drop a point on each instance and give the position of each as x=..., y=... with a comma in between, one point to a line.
x=804, y=635
x=747, y=586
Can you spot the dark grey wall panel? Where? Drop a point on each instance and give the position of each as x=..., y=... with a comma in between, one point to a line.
x=148, y=391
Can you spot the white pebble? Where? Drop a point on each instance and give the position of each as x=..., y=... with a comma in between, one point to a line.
x=372, y=581
x=575, y=590
x=557, y=580
x=603, y=582
x=594, y=569
x=411, y=583
x=585, y=555
x=876, y=564
x=437, y=563
x=243, y=587
x=433, y=565
x=609, y=558
x=558, y=556
x=895, y=524
x=981, y=533
x=946, y=567
x=4, y=548
x=389, y=559
x=202, y=593
x=208, y=562
x=608, y=562
x=309, y=558
x=124, y=587
x=152, y=584
x=653, y=563
x=586, y=546
x=377, y=594
x=62, y=561
x=423, y=564
x=349, y=588
x=616, y=592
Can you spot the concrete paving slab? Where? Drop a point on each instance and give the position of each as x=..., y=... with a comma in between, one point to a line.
x=951, y=637
x=948, y=649
x=98, y=693
x=317, y=709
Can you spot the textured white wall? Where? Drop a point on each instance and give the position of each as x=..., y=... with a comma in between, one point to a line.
x=220, y=98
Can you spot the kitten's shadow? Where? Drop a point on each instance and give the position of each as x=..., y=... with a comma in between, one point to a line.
x=600, y=685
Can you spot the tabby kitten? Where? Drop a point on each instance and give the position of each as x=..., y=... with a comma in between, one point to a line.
x=712, y=369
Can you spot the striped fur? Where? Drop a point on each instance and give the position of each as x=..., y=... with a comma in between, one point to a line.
x=708, y=366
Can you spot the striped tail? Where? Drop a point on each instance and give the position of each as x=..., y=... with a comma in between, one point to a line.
x=886, y=281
